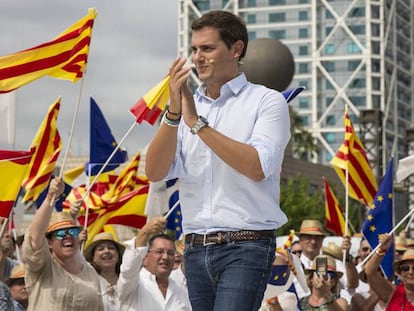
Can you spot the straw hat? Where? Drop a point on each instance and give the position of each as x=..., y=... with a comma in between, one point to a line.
x=400, y=243
x=311, y=227
x=410, y=243
x=407, y=256
x=101, y=237
x=333, y=250
x=61, y=220
x=18, y=272
x=331, y=266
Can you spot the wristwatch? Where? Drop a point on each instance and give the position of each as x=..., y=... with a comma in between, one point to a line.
x=201, y=122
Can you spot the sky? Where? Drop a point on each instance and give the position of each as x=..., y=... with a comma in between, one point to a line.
x=133, y=44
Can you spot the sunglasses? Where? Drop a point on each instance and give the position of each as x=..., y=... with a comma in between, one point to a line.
x=61, y=233
x=298, y=252
x=365, y=249
x=406, y=268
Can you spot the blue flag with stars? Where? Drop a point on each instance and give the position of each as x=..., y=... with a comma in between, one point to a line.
x=175, y=218
x=380, y=218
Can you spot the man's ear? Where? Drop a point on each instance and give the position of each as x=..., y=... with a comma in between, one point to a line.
x=238, y=49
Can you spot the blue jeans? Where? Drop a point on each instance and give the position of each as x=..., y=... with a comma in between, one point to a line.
x=230, y=276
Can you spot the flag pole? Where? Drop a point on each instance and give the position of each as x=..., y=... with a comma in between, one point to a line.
x=172, y=209
x=75, y=117
x=88, y=190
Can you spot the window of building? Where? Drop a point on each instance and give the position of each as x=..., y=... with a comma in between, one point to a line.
x=330, y=137
x=358, y=101
x=277, y=2
x=329, y=49
x=329, y=86
x=303, y=15
x=330, y=120
x=304, y=83
x=329, y=101
x=277, y=17
x=251, y=18
x=329, y=66
x=303, y=68
x=303, y=102
x=303, y=50
x=303, y=32
x=357, y=84
x=376, y=84
x=202, y=5
x=357, y=12
x=252, y=35
x=357, y=29
x=328, y=30
x=353, y=48
x=251, y=3
x=277, y=34
x=328, y=15
x=303, y=1
x=353, y=64
x=305, y=120
x=328, y=157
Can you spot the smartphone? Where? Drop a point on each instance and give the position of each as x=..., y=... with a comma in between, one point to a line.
x=322, y=267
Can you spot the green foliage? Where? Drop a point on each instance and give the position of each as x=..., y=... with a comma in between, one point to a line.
x=300, y=200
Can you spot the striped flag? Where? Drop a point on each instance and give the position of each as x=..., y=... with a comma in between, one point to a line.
x=64, y=57
x=334, y=218
x=13, y=166
x=351, y=156
x=126, y=181
x=47, y=144
x=153, y=103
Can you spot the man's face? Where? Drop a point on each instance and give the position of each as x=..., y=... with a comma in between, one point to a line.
x=311, y=244
x=364, y=249
x=18, y=290
x=214, y=61
x=160, y=258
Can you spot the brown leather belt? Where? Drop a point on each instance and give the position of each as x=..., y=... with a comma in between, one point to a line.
x=221, y=237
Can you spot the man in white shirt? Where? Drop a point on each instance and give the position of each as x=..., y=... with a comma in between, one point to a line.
x=145, y=282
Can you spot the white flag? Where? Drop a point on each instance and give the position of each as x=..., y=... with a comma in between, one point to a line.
x=405, y=168
x=7, y=117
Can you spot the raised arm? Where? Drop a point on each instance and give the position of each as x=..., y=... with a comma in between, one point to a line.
x=379, y=284
x=40, y=221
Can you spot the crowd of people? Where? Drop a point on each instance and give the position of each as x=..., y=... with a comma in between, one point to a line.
x=226, y=144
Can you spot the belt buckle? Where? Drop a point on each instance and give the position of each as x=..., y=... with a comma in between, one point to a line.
x=204, y=240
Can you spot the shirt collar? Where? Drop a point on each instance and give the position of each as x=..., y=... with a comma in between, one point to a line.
x=235, y=86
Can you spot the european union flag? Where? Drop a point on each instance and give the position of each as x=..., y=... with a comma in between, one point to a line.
x=102, y=144
x=290, y=94
x=380, y=218
x=175, y=218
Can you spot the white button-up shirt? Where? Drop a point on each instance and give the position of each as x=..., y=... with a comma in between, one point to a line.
x=214, y=196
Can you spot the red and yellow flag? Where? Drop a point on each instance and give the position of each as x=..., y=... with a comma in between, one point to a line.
x=47, y=145
x=64, y=57
x=351, y=157
x=153, y=103
x=334, y=218
x=13, y=166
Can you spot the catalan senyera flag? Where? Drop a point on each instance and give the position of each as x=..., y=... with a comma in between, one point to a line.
x=13, y=167
x=127, y=211
x=351, y=157
x=153, y=103
x=126, y=181
x=47, y=145
x=64, y=57
x=334, y=218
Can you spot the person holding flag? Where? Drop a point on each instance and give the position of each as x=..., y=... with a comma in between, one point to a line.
x=395, y=297
x=226, y=143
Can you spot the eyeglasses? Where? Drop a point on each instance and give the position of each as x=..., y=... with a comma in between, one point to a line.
x=61, y=233
x=331, y=274
x=298, y=252
x=406, y=268
x=365, y=249
x=161, y=251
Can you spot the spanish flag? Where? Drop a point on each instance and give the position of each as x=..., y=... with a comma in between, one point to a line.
x=13, y=166
x=153, y=103
x=64, y=57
